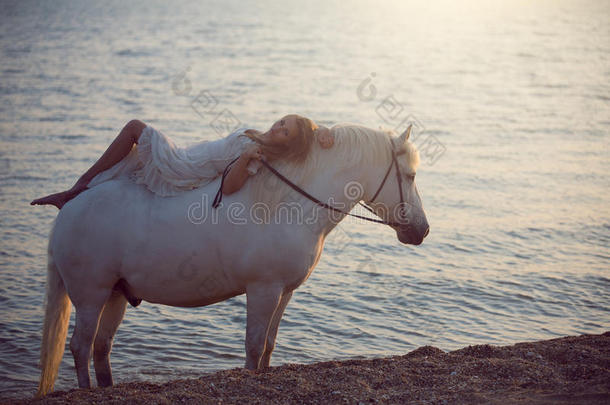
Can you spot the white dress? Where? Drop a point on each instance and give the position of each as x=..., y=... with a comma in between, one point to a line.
x=167, y=170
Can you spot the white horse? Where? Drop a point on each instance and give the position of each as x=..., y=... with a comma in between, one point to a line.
x=118, y=241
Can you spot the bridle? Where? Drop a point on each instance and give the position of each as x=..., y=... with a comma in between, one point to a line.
x=385, y=177
x=393, y=163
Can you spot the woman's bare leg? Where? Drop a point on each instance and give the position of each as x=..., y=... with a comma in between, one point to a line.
x=118, y=149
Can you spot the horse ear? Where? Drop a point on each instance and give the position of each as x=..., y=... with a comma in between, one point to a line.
x=404, y=137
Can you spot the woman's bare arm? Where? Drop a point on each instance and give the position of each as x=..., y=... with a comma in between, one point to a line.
x=238, y=174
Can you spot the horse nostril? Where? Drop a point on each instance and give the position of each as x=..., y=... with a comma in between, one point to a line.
x=427, y=231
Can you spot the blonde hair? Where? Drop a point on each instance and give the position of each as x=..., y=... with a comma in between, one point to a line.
x=297, y=149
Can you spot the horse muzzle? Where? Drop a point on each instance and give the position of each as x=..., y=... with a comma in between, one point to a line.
x=412, y=235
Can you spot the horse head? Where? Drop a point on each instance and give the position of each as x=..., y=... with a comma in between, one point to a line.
x=392, y=193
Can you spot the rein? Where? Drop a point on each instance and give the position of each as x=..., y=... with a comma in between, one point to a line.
x=323, y=204
x=298, y=189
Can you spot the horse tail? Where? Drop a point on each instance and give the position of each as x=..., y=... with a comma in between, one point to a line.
x=56, y=319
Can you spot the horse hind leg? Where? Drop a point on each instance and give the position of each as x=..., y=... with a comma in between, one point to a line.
x=112, y=315
x=87, y=319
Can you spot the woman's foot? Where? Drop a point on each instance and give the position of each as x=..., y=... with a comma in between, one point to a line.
x=59, y=199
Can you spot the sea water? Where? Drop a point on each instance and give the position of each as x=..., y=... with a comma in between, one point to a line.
x=510, y=103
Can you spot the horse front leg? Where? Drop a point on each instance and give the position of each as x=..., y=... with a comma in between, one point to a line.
x=262, y=302
x=275, y=324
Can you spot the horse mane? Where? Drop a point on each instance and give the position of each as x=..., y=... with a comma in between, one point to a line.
x=355, y=145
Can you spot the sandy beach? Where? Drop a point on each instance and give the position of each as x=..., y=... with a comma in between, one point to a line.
x=569, y=370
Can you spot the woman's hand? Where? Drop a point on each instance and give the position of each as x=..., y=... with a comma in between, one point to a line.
x=325, y=138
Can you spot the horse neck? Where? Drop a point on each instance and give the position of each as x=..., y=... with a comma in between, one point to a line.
x=334, y=188
x=344, y=185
